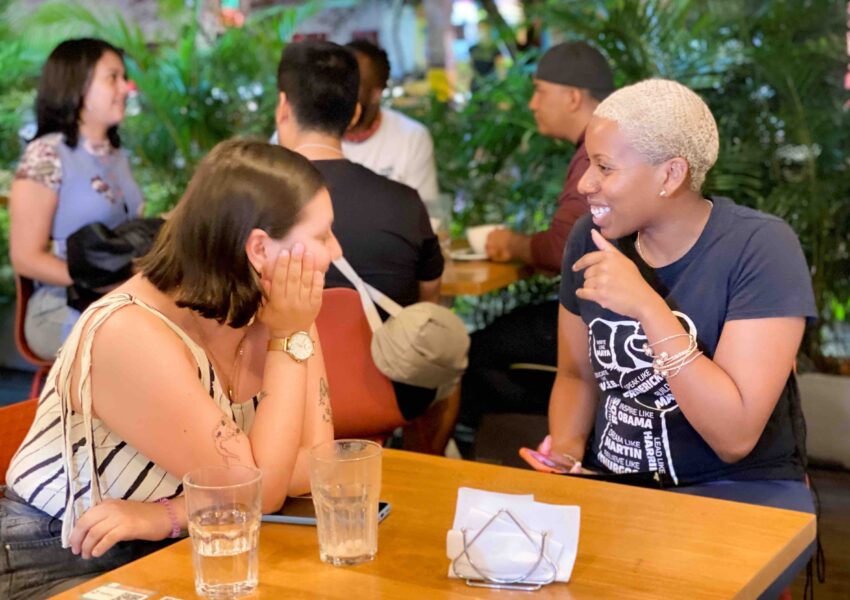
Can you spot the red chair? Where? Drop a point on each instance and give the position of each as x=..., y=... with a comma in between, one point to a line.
x=23, y=291
x=15, y=422
x=362, y=397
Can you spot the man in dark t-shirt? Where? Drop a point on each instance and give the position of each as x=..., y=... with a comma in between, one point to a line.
x=571, y=79
x=382, y=225
x=384, y=232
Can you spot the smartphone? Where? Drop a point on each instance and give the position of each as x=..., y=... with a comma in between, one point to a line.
x=541, y=462
x=299, y=510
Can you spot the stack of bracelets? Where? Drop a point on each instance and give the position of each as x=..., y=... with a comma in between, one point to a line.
x=668, y=365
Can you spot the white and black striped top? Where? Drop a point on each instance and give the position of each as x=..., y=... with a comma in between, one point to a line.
x=101, y=464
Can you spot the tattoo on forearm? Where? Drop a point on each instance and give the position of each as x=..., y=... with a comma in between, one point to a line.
x=325, y=401
x=224, y=435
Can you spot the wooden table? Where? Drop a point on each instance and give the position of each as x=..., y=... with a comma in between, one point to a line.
x=477, y=277
x=634, y=543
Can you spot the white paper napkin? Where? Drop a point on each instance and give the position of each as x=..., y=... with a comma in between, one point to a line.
x=502, y=550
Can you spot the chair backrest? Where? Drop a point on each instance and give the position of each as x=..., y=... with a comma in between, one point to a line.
x=362, y=397
x=23, y=291
x=15, y=422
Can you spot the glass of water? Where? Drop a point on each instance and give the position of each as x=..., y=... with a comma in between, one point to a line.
x=345, y=480
x=224, y=508
x=440, y=214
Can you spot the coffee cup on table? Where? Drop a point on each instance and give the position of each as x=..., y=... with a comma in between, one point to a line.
x=477, y=237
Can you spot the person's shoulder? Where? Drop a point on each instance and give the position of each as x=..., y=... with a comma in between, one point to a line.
x=746, y=232
x=747, y=222
x=404, y=123
x=133, y=331
x=383, y=187
x=48, y=143
x=41, y=161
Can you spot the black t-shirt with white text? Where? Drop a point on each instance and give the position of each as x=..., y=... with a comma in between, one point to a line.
x=745, y=265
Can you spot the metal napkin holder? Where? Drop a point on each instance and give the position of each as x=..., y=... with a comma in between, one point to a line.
x=517, y=583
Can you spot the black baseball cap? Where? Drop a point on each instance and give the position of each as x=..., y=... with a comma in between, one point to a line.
x=576, y=64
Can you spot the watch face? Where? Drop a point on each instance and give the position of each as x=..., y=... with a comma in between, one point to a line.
x=300, y=346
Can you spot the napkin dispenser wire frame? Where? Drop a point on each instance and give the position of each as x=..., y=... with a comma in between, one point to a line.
x=520, y=583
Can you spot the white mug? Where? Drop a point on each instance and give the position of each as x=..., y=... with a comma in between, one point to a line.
x=477, y=236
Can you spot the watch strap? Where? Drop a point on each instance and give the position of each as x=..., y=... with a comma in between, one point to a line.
x=278, y=344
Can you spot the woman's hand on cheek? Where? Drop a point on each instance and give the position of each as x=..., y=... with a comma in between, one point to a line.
x=613, y=281
x=293, y=292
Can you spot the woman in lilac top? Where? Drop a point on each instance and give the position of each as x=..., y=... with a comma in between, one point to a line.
x=72, y=174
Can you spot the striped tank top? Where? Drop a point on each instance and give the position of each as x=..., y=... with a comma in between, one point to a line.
x=70, y=461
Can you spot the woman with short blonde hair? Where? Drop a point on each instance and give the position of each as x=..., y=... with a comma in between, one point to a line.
x=680, y=317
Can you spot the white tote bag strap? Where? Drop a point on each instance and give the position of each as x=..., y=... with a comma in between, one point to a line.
x=368, y=295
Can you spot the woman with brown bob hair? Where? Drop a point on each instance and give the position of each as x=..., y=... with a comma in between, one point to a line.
x=208, y=356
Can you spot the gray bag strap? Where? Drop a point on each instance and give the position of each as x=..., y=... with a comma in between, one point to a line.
x=369, y=296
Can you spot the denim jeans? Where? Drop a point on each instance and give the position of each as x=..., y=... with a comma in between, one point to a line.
x=48, y=320
x=33, y=563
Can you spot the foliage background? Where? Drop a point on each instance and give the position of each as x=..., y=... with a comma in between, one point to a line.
x=771, y=70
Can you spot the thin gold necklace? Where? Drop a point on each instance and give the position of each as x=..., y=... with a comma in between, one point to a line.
x=637, y=239
x=323, y=146
x=640, y=252
x=232, y=385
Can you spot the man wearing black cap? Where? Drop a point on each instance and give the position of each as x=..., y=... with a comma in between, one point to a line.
x=571, y=80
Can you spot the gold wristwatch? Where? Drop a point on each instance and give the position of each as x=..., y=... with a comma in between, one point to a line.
x=299, y=345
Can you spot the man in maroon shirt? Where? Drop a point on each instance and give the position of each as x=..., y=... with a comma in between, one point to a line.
x=571, y=80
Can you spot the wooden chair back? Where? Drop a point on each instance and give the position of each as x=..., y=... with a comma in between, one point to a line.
x=23, y=290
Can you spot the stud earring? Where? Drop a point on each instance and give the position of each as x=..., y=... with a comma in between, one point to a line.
x=662, y=193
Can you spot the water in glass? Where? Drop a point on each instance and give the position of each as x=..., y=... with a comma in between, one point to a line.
x=347, y=523
x=225, y=541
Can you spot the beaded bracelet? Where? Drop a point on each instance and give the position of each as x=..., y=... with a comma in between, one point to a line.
x=668, y=366
x=647, y=348
x=570, y=459
x=169, y=508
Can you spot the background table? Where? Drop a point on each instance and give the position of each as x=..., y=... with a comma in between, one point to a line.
x=633, y=543
x=477, y=277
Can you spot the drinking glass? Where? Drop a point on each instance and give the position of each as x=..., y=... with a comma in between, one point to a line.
x=440, y=213
x=224, y=508
x=345, y=480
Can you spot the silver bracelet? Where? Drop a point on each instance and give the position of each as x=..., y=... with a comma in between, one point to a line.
x=647, y=348
x=688, y=361
x=667, y=365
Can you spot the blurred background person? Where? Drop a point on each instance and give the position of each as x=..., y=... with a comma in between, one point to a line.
x=382, y=139
x=570, y=81
x=385, y=140
x=382, y=225
x=72, y=174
